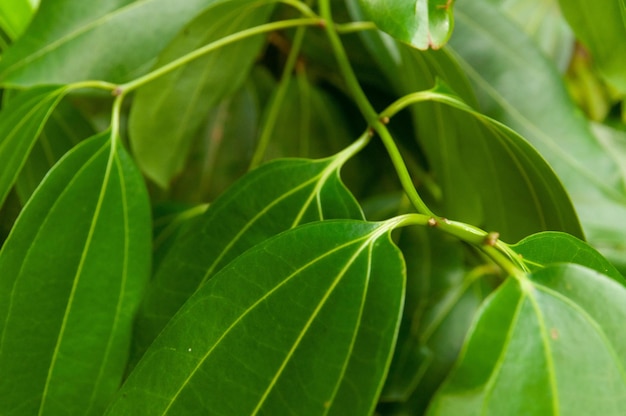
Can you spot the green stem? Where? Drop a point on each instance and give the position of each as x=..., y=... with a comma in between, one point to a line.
x=102, y=85
x=115, y=118
x=368, y=111
x=468, y=234
x=272, y=115
x=159, y=72
x=351, y=27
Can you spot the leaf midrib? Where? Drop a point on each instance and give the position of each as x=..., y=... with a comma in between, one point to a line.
x=77, y=275
x=261, y=299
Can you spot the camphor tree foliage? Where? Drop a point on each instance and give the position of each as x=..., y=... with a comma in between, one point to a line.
x=347, y=207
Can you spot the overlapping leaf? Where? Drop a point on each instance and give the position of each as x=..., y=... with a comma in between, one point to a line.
x=273, y=198
x=303, y=323
x=422, y=23
x=65, y=128
x=71, y=275
x=168, y=112
x=502, y=169
x=15, y=16
x=596, y=23
x=109, y=40
x=442, y=299
x=544, y=346
x=21, y=121
x=309, y=124
x=550, y=247
x=543, y=21
x=520, y=88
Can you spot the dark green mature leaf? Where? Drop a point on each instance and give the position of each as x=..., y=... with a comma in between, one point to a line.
x=273, y=198
x=596, y=24
x=65, y=128
x=309, y=124
x=552, y=247
x=544, y=346
x=441, y=301
x=21, y=121
x=68, y=42
x=518, y=87
x=15, y=16
x=71, y=275
x=422, y=23
x=168, y=112
x=303, y=323
x=519, y=194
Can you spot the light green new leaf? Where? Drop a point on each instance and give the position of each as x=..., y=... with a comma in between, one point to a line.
x=21, y=121
x=273, y=198
x=544, y=22
x=168, y=112
x=65, y=128
x=303, y=323
x=15, y=16
x=422, y=23
x=551, y=247
x=544, y=346
x=72, y=272
x=109, y=40
x=601, y=26
x=520, y=88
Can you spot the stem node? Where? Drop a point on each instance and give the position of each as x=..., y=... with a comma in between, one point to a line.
x=491, y=239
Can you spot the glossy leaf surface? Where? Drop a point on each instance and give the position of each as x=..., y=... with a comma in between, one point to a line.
x=500, y=167
x=168, y=112
x=65, y=128
x=271, y=199
x=442, y=298
x=520, y=88
x=552, y=247
x=303, y=323
x=422, y=23
x=536, y=345
x=21, y=121
x=593, y=24
x=71, y=275
x=68, y=42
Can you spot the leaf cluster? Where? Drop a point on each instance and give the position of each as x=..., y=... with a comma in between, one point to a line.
x=352, y=207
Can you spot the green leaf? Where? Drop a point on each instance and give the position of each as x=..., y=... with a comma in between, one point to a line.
x=15, y=15
x=273, y=198
x=71, y=275
x=168, y=112
x=68, y=42
x=21, y=121
x=596, y=23
x=518, y=193
x=303, y=323
x=221, y=151
x=544, y=346
x=310, y=123
x=442, y=298
x=551, y=247
x=65, y=128
x=544, y=22
x=520, y=88
x=422, y=23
